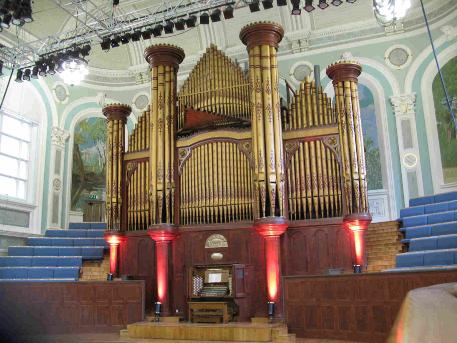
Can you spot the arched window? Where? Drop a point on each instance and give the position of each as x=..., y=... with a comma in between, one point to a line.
x=445, y=127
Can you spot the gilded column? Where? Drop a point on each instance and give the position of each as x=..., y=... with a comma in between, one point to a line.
x=270, y=209
x=164, y=60
x=356, y=216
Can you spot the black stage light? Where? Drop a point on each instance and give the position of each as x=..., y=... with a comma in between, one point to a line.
x=115, y=2
x=322, y=4
x=180, y=24
x=85, y=50
x=27, y=15
x=6, y=21
x=267, y=4
x=216, y=15
x=336, y=2
x=254, y=6
x=34, y=72
x=136, y=36
x=309, y=6
x=115, y=42
x=168, y=27
x=228, y=12
x=19, y=76
x=43, y=68
x=5, y=8
x=281, y=2
x=204, y=18
x=1, y=68
x=51, y=68
x=26, y=76
x=17, y=17
x=296, y=7
x=146, y=34
x=191, y=20
x=157, y=30
x=125, y=38
x=351, y=1
x=105, y=44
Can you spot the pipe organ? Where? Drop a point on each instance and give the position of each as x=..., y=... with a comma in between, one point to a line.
x=220, y=150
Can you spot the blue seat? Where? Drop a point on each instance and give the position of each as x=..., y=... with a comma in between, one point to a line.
x=40, y=273
x=414, y=221
x=46, y=251
x=15, y=261
x=62, y=242
x=410, y=259
x=79, y=226
x=38, y=241
x=66, y=233
x=439, y=257
x=95, y=233
x=84, y=242
x=69, y=261
x=446, y=242
x=416, y=232
x=421, y=201
x=445, y=197
x=13, y=272
x=98, y=226
x=44, y=261
x=441, y=217
x=419, y=244
x=444, y=229
x=66, y=272
x=435, y=208
x=21, y=251
x=92, y=252
x=69, y=251
x=412, y=211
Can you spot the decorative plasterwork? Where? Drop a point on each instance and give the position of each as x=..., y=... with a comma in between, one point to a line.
x=59, y=136
x=404, y=105
x=450, y=31
x=388, y=57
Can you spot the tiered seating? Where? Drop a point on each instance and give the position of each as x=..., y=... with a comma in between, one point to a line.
x=430, y=229
x=57, y=256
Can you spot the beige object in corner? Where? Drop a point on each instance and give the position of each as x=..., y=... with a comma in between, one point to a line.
x=427, y=315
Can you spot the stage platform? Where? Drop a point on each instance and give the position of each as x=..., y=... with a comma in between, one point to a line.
x=190, y=332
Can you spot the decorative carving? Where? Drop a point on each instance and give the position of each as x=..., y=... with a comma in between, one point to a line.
x=183, y=155
x=216, y=241
x=57, y=184
x=333, y=143
x=404, y=105
x=59, y=136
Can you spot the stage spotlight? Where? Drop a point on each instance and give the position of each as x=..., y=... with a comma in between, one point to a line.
x=309, y=6
x=34, y=72
x=267, y=4
x=19, y=76
x=271, y=310
x=204, y=18
x=228, y=12
x=17, y=17
x=136, y=36
x=322, y=4
x=26, y=76
x=180, y=24
x=191, y=20
x=43, y=68
x=216, y=15
x=115, y=42
x=105, y=44
x=157, y=30
x=351, y=1
x=254, y=6
x=168, y=27
x=6, y=22
x=336, y=2
x=281, y=2
x=296, y=7
x=5, y=8
x=125, y=38
x=146, y=34
x=51, y=68
x=85, y=50
x=27, y=12
x=115, y=2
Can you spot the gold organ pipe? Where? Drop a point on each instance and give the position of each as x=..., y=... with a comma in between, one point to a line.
x=320, y=185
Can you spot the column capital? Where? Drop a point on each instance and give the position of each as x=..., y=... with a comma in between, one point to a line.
x=164, y=54
x=271, y=226
x=404, y=104
x=344, y=70
x=357, y=221
x=113, y=237
x=117, y=112
x=163, y=233
x=261, y=33
x=59, y=136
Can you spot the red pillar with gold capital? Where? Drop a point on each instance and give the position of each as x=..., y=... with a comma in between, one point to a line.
x=270, y=206
x=356, y=215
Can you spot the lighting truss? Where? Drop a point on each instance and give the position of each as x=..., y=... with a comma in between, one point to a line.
x=95, y=23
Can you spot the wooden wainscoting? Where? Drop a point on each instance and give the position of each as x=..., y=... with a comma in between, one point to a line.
x=351, y=307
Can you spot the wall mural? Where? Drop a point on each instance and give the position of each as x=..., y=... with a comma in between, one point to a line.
x=370, y=138
x=445, y=126
x=88, y=173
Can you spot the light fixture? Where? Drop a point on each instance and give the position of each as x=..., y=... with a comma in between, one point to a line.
x=191, y=20
x=85, y=50
x=51, y=68
x=109, y=277
x=136, y=36
x=157, y=30
x=336, y=2
x=146, y=34
x=26, y=76
x=34, y=74
x=19, y=76
x=115, y=42
x=168, y=27
x=204, y=18
x=281, y=2
x=296, y=7
x=271, y=310
x=309, y=6
x=6, y=22
x=228, y=12
x=267, y=4
x=180, y=24
x=43, y=68
x=105, y=44
x=17, y=17
x=322, y=4
x=27, y=12
x=125, y=38
x=157, y=309
x=254, y=6
x=351, y=1
x=388, y=11
x=74, y=70
x=216, y=15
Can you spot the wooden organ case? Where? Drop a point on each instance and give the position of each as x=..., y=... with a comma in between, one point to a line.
x=213, y=291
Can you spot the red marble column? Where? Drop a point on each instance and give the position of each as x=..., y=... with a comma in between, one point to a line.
x=357, y=224
x=114, y=240
x=163, y=235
